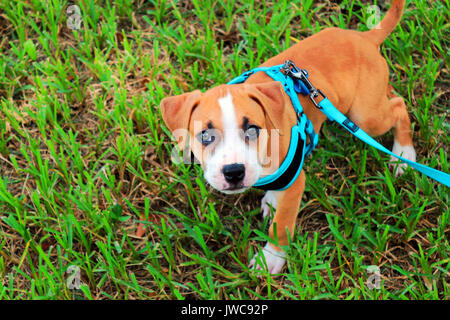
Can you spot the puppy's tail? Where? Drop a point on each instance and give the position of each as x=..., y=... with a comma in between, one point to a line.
x=387, y=25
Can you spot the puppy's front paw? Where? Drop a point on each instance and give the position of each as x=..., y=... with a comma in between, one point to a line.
x=274, y=260
x=406, y=152
x=269, y=199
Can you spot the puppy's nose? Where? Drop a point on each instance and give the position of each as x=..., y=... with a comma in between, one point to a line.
x=234, y=173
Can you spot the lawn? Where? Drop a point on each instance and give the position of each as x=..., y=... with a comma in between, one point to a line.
x=84, y=156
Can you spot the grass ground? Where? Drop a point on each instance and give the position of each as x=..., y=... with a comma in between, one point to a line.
x=84, y=154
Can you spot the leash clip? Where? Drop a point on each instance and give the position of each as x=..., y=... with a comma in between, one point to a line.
x=290, y=69
x=287, y=68
x=314, y=94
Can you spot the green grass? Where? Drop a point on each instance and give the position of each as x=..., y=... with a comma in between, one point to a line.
x=84, y=155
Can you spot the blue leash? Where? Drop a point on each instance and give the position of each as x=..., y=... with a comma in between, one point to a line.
x=295, y=80
x=334, y=114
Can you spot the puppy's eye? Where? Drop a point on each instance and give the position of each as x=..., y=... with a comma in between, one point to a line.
x=252, y=133
x=206, y=137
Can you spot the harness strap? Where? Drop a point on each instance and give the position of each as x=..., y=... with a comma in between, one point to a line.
x=292, y=165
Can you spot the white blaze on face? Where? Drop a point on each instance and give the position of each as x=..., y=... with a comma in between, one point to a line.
x=232, y=149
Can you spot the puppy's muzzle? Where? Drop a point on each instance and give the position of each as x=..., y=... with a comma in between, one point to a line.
x=234, y=173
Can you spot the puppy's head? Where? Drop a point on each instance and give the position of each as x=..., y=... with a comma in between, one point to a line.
x=228, y=129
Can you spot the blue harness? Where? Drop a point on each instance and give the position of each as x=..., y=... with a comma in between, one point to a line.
x=294, y=81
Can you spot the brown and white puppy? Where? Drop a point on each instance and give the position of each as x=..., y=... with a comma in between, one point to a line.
x=234, y=129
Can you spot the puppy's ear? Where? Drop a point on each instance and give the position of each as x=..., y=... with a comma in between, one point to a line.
x=272, y=98
x=176, y=112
